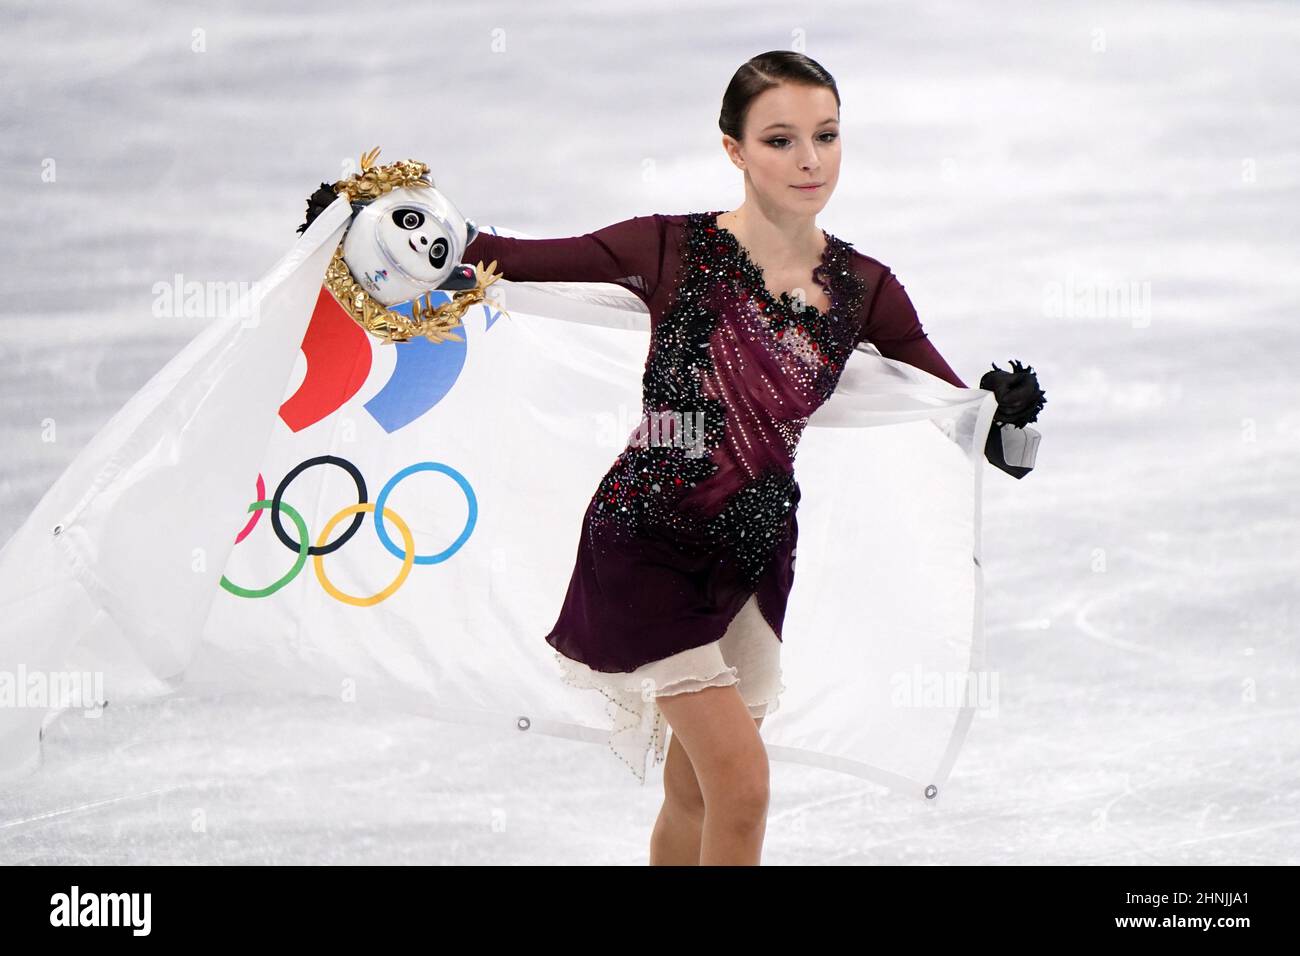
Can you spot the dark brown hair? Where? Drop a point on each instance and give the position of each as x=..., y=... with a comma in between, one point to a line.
x=762, y=73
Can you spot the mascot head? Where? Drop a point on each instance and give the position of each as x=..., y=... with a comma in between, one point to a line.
x=406, y=239
x=407, y=242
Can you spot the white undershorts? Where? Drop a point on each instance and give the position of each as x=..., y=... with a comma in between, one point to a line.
x=748, y=654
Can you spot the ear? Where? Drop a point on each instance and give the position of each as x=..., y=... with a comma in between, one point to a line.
x=461, y=277
x=358, y=206
x=471, y=231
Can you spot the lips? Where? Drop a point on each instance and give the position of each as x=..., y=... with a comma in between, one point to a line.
x=809, y=186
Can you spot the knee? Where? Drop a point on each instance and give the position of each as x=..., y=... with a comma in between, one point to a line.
x=743, y=794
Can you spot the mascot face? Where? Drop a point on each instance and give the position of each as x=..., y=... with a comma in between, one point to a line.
x=405, y=243
x=413, y=236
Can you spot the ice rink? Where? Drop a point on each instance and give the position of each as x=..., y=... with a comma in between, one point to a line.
x=1105, y=190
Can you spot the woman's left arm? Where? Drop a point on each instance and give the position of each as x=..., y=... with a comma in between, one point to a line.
x=892, y=326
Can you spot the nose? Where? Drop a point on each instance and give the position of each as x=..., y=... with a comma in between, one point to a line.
x=424, y=240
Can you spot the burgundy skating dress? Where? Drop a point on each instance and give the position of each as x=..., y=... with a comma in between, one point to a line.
x=693, y=527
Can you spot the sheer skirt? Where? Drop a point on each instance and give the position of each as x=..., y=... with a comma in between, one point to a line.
x=748, y=654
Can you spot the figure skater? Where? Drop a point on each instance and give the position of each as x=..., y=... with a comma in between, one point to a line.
x=686, y=556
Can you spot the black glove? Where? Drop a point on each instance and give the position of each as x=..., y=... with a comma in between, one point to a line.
x=317, y=203
x=1019, y=402
x=1019, y=397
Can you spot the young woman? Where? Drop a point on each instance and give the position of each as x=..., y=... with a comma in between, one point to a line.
x=687, y=551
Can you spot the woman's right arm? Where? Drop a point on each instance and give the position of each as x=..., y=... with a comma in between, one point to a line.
x=627, y=253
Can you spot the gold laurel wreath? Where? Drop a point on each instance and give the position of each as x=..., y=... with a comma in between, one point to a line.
x=433, y=322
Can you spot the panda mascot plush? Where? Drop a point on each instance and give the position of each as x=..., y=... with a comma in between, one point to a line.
x=405, y=241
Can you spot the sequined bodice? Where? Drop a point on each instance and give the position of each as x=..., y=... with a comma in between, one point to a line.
x=732, y=376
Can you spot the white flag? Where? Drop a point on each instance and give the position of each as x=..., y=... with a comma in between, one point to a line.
x=170, y=551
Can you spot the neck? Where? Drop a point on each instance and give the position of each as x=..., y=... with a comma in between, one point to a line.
x=774, y=235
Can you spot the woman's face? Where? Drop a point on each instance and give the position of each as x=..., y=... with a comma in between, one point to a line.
x=791, y=139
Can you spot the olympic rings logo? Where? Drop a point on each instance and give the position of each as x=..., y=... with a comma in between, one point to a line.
x=303, y=549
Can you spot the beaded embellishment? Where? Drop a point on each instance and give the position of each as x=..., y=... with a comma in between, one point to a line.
x=824, y=339
x=643, y=491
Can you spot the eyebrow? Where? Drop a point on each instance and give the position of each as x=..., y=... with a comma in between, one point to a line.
x=831, y=119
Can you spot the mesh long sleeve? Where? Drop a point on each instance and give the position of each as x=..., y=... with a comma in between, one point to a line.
x=893, y=327
x=628, y=253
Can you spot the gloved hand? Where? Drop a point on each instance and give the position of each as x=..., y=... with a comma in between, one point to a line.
x=1010, y=446
x=1019, y=397
x=317, y=203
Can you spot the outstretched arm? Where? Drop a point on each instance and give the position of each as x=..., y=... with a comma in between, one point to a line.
x=892, y=326
x=627, y=253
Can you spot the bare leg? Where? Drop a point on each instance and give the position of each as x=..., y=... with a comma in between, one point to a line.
x=675, y=840
x=730, y=773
